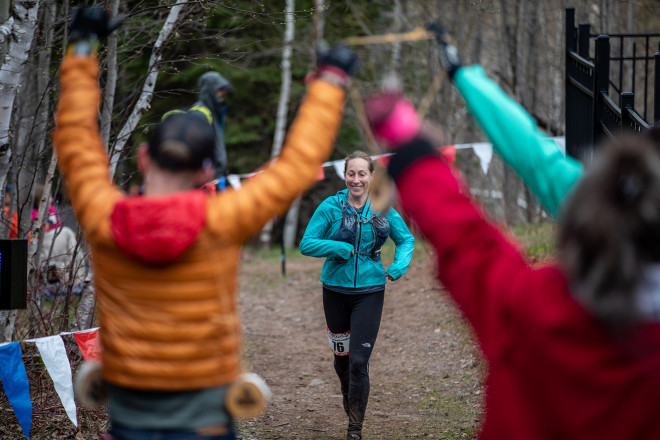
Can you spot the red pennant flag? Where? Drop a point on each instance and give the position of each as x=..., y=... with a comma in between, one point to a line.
x=89, y=345
x=384, y=160
x=321, y=174
x=449, y=153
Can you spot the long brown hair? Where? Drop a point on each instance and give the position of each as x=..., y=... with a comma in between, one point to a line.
x=610, y=230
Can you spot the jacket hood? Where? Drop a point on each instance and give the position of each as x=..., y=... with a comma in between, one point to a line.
x=209, y=83
x=158, y=230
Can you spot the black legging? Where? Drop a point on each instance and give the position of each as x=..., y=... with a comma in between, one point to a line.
x=359, y=313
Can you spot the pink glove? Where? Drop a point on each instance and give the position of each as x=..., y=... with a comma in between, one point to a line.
x=393, y=119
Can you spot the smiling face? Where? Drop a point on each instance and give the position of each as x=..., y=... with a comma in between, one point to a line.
x=358, y=177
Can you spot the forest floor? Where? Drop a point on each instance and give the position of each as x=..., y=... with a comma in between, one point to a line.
x=426, y=371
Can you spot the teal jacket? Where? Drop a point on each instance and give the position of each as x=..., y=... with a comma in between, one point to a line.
x=342, y=269
x=548, y=173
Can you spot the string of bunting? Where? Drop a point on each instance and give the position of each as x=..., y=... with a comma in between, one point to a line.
x=53, y=353
x=483, y=150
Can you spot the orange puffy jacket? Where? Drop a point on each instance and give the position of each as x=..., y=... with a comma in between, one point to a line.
x=165, y=267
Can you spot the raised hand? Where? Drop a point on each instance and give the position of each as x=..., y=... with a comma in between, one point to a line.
x=91, y=23
x=449, y=58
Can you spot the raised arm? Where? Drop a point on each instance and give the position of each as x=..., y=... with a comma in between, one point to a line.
x=239, y=214
x=515, y=137
x=482, y=271
x=81, y=156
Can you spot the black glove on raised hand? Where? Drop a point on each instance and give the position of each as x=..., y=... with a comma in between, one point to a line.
x=449, y=58
x=340, y=61
x=341, y=57
x=91, y=23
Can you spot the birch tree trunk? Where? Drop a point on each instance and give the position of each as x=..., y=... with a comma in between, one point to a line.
x=148, y=88
x=291, y=219
x=290, y=231
x=6, y=23
x=22, y=31
x=281, y=121
x=110, y=80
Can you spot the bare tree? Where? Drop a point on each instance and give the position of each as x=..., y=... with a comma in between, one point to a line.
x=291, y=219
x=110, y=80
x=22, y=31
x=149, y=85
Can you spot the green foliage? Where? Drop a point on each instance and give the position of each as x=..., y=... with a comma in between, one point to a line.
x=243, y=41
x=539, y=240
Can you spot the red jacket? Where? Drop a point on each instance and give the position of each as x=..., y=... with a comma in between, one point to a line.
x=553, y=372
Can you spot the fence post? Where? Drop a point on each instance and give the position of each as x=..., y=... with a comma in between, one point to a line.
x=601, y=84
x=583, y=40
x=656, y=90
x=570, y=29
x=570, y=45
x=627, y=104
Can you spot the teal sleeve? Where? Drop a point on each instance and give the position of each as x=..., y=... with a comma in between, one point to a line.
x=316, y=241
x=404, y=242
x=548, y=173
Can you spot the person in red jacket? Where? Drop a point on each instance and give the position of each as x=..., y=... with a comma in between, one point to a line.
x=573, y=348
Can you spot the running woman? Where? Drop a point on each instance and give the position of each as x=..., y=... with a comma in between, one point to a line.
x=349, y=234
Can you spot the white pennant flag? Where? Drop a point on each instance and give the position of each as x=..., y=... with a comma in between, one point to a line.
x=234, y=181
x=54, y=356
x=484, y=152
x=339, y=168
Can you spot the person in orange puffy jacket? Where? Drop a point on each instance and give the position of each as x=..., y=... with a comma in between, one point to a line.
x=165, y=263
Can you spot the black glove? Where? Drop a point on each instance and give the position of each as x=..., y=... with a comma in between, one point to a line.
x=449, y=58
x=91, y=23
x=339, y=58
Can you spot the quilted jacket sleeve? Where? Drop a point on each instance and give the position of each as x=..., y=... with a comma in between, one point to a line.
x=81, y=156
x=237, y=215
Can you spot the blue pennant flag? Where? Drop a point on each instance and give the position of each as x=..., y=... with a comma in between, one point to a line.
x=15, y=382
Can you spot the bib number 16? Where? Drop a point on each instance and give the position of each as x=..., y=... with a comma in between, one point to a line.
x=339, y=342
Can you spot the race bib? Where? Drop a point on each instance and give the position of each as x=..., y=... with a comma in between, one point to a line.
x=339, y=342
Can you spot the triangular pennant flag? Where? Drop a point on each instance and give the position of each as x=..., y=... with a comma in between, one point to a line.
x=561, y=144
x=89, y=345
x=321, y=174
x=383, y=160
x=484, y=152
x=57, y=363
x=339, y=168
x=234, y=180
x=15, y=382
x=449, y=153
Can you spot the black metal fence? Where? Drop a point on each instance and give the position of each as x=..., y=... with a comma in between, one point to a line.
x=596, y=103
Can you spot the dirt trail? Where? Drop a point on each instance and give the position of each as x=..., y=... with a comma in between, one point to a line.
x=425, y=370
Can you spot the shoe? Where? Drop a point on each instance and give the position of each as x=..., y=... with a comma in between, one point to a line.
x=354, y=436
